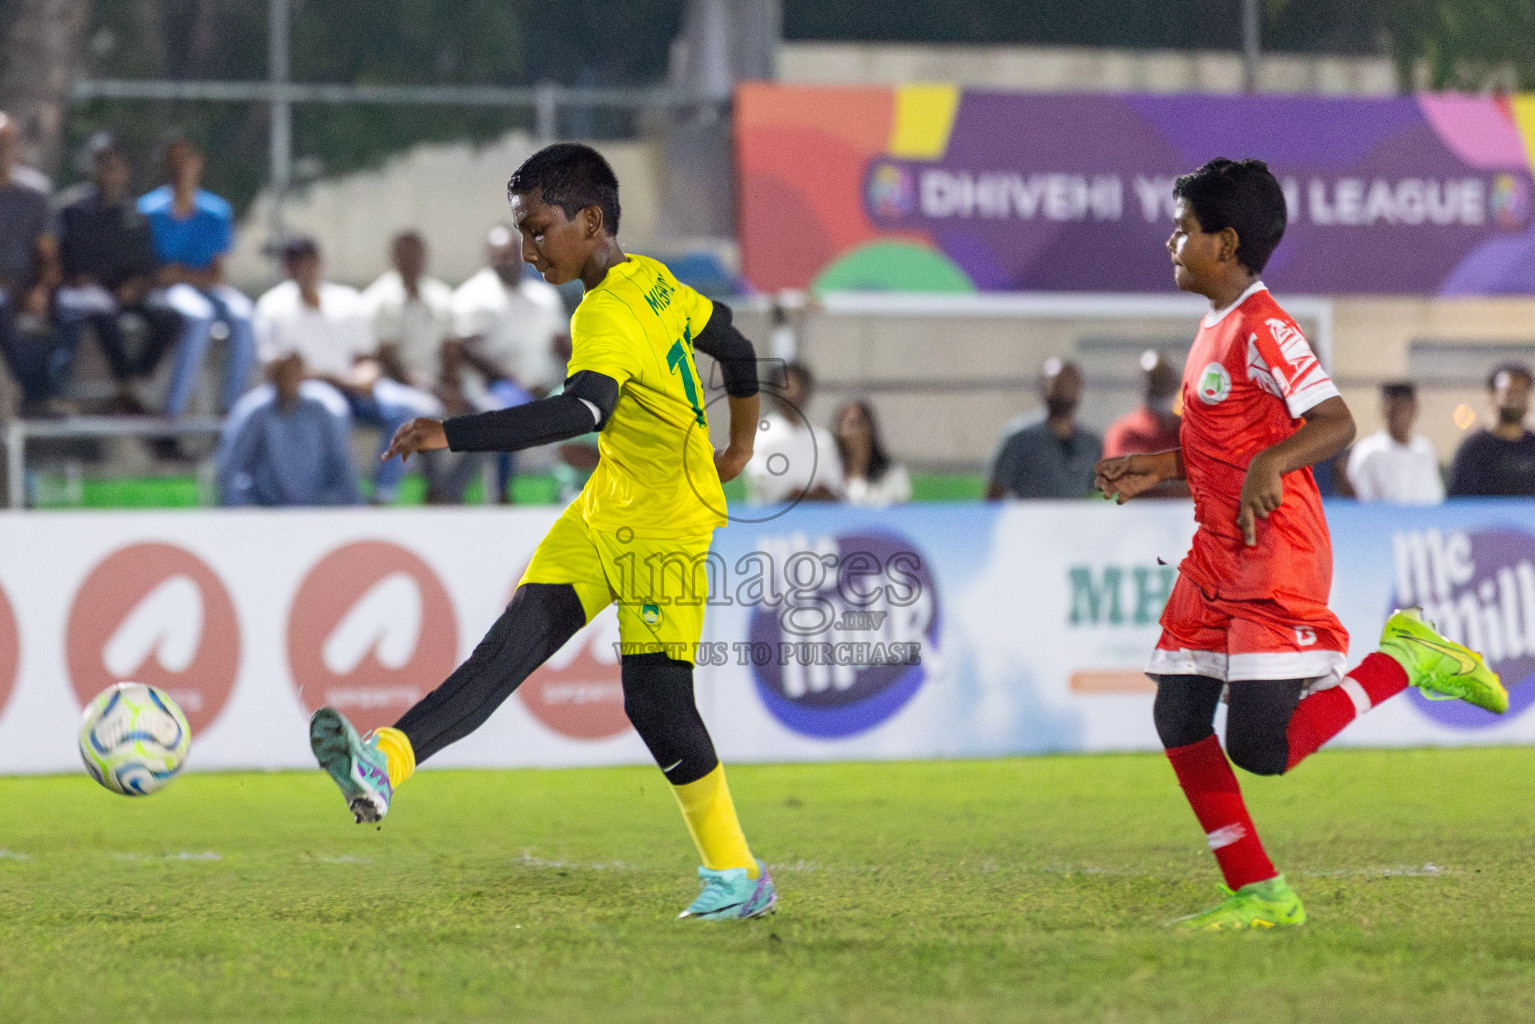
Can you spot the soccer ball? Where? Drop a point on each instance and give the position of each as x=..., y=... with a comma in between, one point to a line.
x=134, y=739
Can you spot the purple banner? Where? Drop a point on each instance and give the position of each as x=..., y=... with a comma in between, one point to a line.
x=928, y=188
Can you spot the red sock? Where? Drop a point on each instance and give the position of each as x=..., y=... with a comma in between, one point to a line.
x=1323, y=715
x=1212, y=790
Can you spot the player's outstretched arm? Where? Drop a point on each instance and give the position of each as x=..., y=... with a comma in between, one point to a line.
x=584, y=406
x=419, y=435
x=1128, y=476
x=738, y=365
x=1329, y=428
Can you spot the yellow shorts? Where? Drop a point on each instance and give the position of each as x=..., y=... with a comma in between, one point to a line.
x=661, y=586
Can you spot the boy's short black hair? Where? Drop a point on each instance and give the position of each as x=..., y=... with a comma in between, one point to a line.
x=1239, y=194
x=572, y=177
x=1399, y=391
x=1510, y=369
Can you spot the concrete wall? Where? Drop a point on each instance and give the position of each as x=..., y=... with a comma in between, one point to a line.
x=945, y=386
x=1080, y=69
x=452, y=194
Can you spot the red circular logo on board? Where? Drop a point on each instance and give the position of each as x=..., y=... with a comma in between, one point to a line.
x=372, y=631
x=155, y=614
x=579, y=692
x=10, y=651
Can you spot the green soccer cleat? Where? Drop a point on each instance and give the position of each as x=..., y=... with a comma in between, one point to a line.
x=1270, y=904
x=357, y=765
x=730, y=895
x=1442, y=669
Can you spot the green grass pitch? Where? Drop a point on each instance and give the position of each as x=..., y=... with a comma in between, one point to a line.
x=1016, y=890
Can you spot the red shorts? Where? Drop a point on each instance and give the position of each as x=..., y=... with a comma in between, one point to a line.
x=1286, y=637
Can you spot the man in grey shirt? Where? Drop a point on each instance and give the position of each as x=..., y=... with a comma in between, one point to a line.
x=29, y=271
x=1051, y=457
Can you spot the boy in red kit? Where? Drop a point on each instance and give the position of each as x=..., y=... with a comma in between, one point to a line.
x=1249, y=613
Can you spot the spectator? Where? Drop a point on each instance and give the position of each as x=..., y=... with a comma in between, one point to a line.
x=790, y=463
x=29, y=271
x=412, y=319
x=513, y=338
x=411, y=315
x=1051, y=457
x=870, y=477
x=324, y=324
x=109, y=266
x=1394, y=465
x=783, y=340
x=508, y=327
x=193, y=232
x=287, y=448
x=1154, y=426
x=1500, y=461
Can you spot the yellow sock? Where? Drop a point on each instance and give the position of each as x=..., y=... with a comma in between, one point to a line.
x=711, y=818
x=398, y=752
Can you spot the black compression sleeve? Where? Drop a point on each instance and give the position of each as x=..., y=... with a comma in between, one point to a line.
x=557, y=418
x=738, y=360
x=598, y=389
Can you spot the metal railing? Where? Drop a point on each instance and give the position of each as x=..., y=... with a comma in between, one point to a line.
x=18, y=432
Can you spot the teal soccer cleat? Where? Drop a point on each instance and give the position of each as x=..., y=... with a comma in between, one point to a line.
x=357, y=765
x=730, y=895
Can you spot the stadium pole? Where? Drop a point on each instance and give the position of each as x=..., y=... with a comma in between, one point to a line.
x=1252, y=42
x=280, y=149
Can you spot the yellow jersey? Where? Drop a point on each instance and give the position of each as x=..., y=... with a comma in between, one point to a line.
x=656, y=472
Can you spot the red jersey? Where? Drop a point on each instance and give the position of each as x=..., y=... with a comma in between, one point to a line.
x=1249, y=379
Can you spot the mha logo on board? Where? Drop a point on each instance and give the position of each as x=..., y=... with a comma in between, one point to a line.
x=839, y=636
x=1478, y=588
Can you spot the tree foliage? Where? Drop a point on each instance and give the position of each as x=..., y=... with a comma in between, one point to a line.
x=465, y=42
x=1466, y=44
x=1462, y=43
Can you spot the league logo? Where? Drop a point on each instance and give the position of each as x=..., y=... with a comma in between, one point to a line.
x=1478, y=588
x=890, y=192
x=155, y=614
x=1509, y=201
x=1214, y=384
x=850, y=635
x=371, y=632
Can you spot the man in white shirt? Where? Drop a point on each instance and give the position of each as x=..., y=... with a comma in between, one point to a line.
x=1393, y=465
x=792, y=460
x=412, y=319
x=509, y=327
x=411, y=315
x=324, y=324
x=512, y=338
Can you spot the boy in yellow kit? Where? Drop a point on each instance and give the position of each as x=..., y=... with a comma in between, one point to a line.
x=637, y=534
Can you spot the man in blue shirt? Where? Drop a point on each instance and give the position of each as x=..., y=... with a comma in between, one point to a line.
x=193, y=231
x=284, y=447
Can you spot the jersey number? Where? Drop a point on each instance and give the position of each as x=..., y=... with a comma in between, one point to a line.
x=677, y=359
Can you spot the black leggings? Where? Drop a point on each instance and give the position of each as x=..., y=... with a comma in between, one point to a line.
x=1257, y=719
x=658, y=692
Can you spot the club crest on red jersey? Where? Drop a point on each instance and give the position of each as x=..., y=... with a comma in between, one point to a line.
x=1214, y=384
